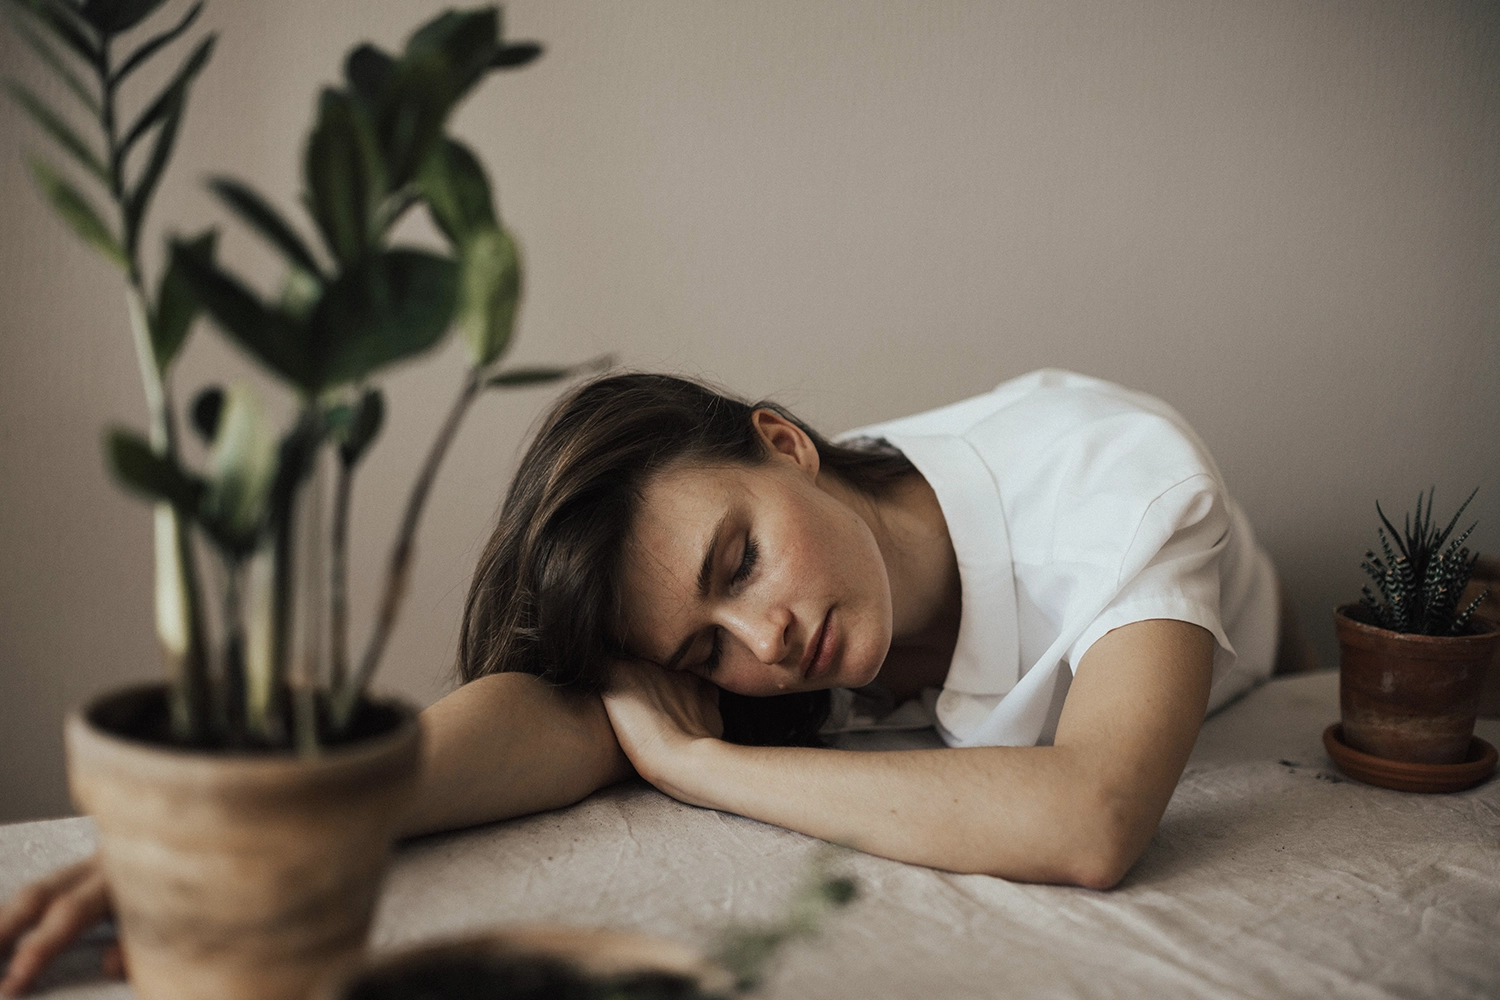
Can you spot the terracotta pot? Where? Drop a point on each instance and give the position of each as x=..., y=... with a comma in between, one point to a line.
x=1487, y=577
x=1410, y=697
x=239, y=876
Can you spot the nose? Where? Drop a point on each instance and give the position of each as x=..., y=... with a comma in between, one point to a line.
x=766, y=631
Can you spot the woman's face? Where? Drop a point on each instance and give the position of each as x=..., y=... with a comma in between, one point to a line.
x=758, y=578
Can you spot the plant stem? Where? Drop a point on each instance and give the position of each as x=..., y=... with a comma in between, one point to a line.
x=179, y=616
x=338, y=584
x=399, y=568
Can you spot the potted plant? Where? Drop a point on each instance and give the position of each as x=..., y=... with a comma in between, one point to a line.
x=1412, y=660
x=245, y=806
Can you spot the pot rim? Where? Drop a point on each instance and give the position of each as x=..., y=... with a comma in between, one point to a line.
x=85, y=739
x=1345, y=619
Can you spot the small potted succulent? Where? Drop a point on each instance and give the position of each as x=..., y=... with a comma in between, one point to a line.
x=245, y=807
x=1412, y=660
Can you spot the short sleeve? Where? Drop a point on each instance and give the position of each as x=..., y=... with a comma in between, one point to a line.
x=1172, y=569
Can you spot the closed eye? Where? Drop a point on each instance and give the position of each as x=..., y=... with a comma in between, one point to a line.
x=742, y=573
x=747, y=562
x=711, y=661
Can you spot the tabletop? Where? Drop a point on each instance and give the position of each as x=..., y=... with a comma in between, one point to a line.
x=1272, y=875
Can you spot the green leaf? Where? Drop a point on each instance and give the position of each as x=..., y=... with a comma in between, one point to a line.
x=153, y=476
x=344, y=176
x=411, y=118
x=153, y=45
x=61, y=20
x=52, y=123
x=466, y=42
x=259, y=215
x=517, y=378
x=47, y=54
x=515, y=55
x=389, y=307
x=457, y=193
x=242, y=460
x=171, y=95
x=443, y=59
x=363, y=424
x=139, y=197
x=78, y=213
x=176, y=304
x=369, y=72
x=111, y=17
x=270, y=336
x=490, y=291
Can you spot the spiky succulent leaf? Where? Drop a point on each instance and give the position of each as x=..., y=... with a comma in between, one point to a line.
x=1424, y=572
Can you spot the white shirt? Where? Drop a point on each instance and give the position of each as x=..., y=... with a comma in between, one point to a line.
x=1075, y=507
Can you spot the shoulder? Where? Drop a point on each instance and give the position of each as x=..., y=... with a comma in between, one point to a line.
x=1058, y=430
x=1084, y=469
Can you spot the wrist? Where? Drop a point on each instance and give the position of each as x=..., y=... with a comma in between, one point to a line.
x=693, y=772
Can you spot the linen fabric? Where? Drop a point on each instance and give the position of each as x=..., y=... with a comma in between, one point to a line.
x=1075, y=506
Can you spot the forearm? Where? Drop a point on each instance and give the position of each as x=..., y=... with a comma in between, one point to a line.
x=1026, y=813
x=509, y=745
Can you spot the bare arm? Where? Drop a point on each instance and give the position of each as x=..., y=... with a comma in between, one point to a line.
x=508, y=745
x=1078, y=812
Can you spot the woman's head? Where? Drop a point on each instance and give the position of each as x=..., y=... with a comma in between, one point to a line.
x=653, y=516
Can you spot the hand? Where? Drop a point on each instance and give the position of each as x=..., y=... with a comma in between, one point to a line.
x=657, y=714
x=46, y=916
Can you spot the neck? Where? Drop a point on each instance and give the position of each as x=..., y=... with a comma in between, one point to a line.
x=909, y=527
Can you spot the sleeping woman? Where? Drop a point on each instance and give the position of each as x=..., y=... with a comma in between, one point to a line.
x=686, y=587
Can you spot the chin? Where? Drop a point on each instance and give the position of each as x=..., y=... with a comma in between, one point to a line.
x=859, y=675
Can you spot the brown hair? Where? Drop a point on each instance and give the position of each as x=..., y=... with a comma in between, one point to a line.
x=545, y=598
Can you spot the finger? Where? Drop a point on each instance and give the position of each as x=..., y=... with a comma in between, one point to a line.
x=27, y=906
x=67, y=916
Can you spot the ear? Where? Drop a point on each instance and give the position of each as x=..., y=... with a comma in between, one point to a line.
x=785, y=439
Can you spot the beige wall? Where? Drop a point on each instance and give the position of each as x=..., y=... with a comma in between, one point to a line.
x=1282, y=217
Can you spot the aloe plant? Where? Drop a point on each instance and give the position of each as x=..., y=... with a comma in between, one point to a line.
x=346, y=310
x=1422, y=575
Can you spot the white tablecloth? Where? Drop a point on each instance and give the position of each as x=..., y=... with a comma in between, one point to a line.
x=1271, y=876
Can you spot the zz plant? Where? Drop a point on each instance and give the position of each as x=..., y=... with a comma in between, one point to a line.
x=345, y=311
x=1422, y=576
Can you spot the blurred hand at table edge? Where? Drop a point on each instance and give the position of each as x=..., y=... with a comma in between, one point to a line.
x=44, y=918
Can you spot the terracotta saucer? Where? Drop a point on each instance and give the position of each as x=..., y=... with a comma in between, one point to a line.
x=1406, y=777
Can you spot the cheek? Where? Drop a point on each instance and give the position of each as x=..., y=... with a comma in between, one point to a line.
x=740, y=672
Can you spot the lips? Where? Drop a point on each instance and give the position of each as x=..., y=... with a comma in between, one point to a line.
x=820, y=651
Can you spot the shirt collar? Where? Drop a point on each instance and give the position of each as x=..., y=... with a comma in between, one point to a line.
x=987, y=659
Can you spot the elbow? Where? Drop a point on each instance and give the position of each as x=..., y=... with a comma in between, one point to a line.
x=1101, y=870
x=1111, y=837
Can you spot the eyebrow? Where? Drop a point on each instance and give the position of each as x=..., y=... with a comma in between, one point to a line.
x=705, y=578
